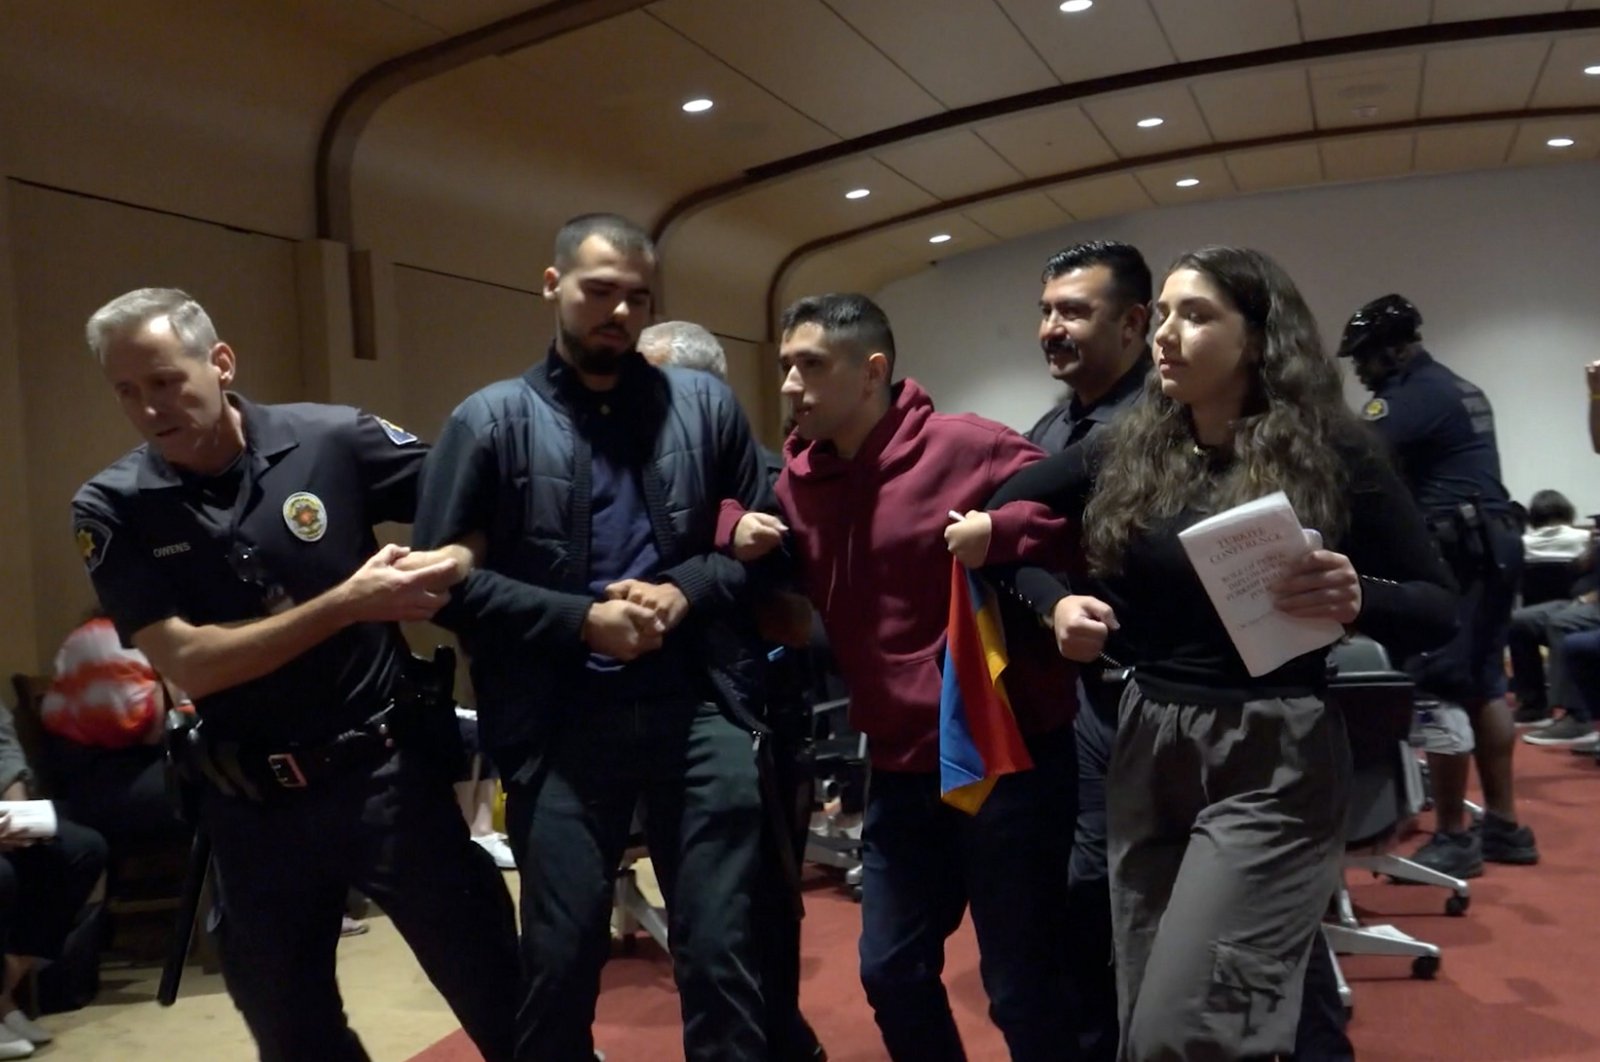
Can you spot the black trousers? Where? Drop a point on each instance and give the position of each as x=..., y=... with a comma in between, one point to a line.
x=393, y=832
x=695, y=772
x=44, y=885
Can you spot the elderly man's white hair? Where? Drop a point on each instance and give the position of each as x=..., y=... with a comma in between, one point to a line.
x=685, y=345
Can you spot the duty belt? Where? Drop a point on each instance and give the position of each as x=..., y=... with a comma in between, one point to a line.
x=239, y=770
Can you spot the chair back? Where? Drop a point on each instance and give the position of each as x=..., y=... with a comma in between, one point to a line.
x=1377, y=703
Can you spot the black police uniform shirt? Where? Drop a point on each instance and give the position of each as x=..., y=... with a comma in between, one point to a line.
x=291, y=519
x=1440, y=428
x=1072, y=421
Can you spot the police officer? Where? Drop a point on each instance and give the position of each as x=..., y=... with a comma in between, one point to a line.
x=790, y=1038
x=1093, y=328
x=606, y=650
x=1441, y=430
x=235, y=548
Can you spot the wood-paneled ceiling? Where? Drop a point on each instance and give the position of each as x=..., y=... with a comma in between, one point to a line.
x=986, y=120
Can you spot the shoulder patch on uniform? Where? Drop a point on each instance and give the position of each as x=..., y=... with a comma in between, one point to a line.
x=305, y=515
x=1377, y=409
x=93, y=539
x=397, y=435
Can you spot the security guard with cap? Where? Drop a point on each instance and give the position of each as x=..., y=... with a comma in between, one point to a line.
x=1441, y=430
x=235, y=548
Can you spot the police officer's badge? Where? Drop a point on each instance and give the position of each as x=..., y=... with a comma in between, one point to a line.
x=306, y=516
x=93, y=537
x=397, y=435
x=1377, y=409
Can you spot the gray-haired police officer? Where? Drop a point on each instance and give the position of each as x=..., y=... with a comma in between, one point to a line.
x=1441, y=430
x=235, y=548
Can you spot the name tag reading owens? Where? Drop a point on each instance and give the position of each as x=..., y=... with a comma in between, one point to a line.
x=1238, y=554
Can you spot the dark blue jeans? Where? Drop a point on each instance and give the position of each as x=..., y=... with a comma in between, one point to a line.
x=1093, y=977
x=924, y=863
x=695, y=772
x=1581, y=654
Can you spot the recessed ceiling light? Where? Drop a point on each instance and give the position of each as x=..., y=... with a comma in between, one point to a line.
x=1150, y=123
x=1560, y=142
x=1072, y=7
x=1592, y=71
x=696, y=106
x=1366, y=110
x=858, y=193
x=942, y=237
x=1187, y=182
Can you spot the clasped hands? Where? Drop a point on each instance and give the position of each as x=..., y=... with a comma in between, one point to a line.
x=634, y=619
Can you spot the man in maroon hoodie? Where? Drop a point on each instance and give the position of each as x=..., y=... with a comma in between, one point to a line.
x=870, y=478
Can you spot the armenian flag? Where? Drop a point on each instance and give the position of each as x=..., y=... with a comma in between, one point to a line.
x=979, y=739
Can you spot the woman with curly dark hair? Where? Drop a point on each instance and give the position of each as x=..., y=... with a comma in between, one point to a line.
x=1227, y=791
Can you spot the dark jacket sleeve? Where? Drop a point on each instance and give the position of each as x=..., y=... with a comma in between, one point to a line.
x=1063, y=482
x=460, y=482
x=1408, y=596
x=711, y=580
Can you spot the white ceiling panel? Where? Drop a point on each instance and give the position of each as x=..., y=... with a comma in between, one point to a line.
x=805, y=54
x=952, y=165
x=1098, y=197
x=1109, y=38
x=1387, y=85
x=960, y=51
x=1481, y=78
x=1018, y=215
x=1289, y=166
x=1227, y=27
x=1473, y=147
x=1161, y=181
x=1346, y=18
x=1181, y=126
x=1241, y=106
x=1463, y=10
x=1564, y=84
x=1362, y=158
x=1040, y=143
x=1530, y=145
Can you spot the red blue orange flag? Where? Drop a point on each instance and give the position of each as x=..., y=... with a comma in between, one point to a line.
x=979, y=739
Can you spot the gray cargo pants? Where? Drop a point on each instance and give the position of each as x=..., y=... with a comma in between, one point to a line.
x=1226, y=826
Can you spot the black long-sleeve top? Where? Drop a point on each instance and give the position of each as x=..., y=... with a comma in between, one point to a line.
x=1170, y=632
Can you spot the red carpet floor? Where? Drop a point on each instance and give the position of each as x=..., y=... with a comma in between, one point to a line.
x=1520, y=977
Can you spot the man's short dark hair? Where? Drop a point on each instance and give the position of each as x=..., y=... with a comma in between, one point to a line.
x=1130, y=276
x=626, y=236
x=1549, y=508
x=853, y=320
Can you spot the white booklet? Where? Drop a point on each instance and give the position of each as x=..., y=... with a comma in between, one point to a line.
x=31, y=818
x=1238, y=555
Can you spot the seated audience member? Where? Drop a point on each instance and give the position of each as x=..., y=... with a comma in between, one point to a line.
x=476, y=793
x=1581, y=654
x=1542, y=684
x=43, y=884
x=105, y=711
x=1227, y=791
x=1551, y=537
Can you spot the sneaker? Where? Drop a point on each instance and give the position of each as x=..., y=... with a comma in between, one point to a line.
x=1459, y=855
x=1533, y=716
x=14, y=1046
x=29, y=1030
x=1508, y=842
x=1564, y=731
x=350, y=927
x=495, y=845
